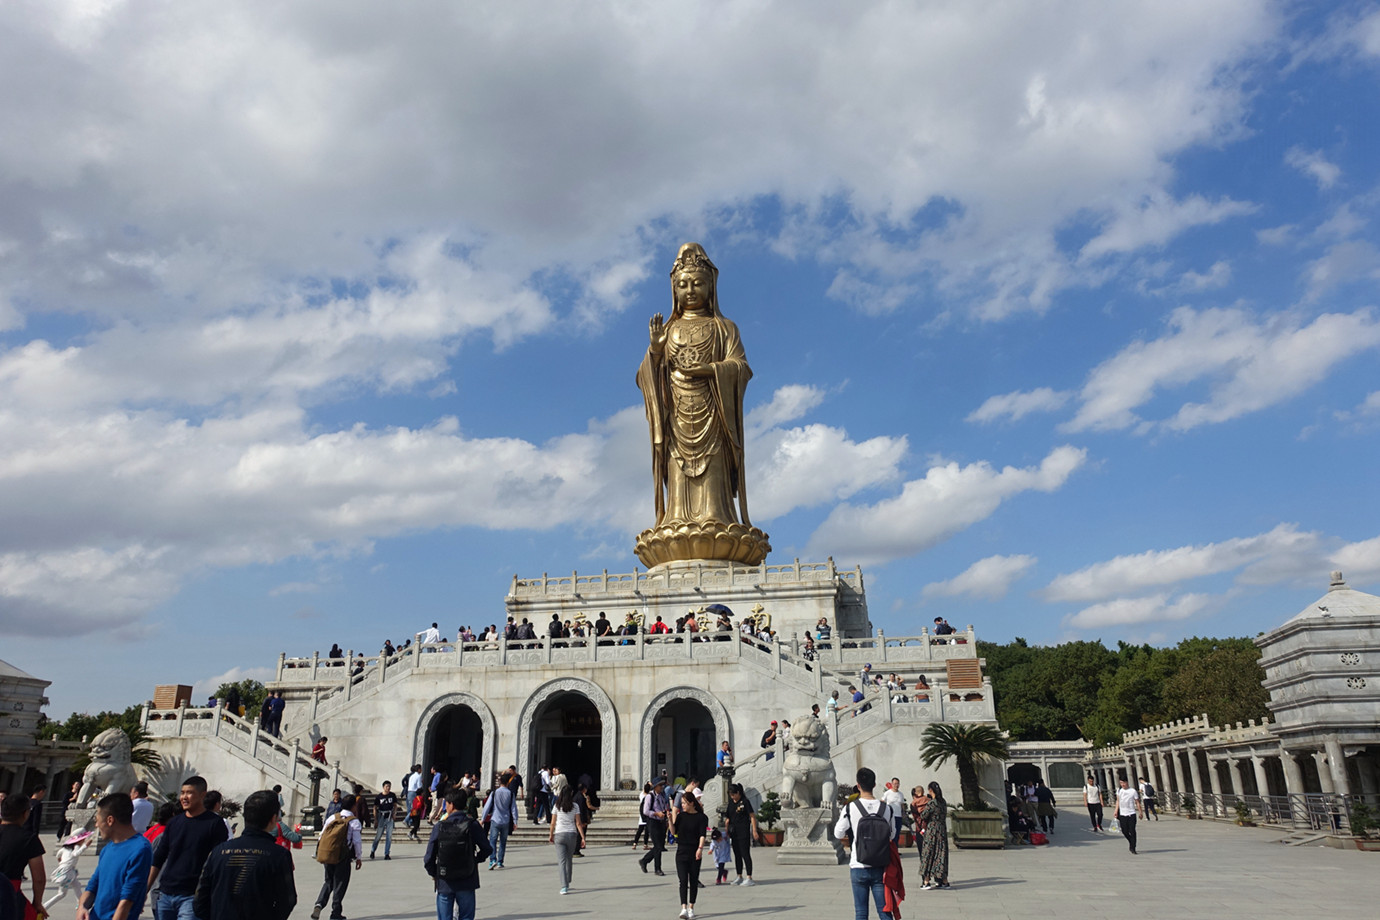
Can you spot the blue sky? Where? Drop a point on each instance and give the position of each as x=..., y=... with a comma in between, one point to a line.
x=318, y=322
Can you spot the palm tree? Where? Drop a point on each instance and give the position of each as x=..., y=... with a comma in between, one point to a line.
x=966, y=744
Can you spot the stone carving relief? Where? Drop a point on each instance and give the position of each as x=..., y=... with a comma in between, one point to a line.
x=1356, y=683
x=608, y=719
x=1351, y=658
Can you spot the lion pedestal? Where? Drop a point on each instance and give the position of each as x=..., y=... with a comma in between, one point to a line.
x=807, y=840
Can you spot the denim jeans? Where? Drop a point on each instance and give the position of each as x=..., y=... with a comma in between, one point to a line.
x=384, y=830
x=458, y=905
x=865, y=879
x=498, y=839
x=175, y=907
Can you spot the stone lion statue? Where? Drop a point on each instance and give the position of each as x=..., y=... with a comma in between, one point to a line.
x=808, y=779
x=110, y=769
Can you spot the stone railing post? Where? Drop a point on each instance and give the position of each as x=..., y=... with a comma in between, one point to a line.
x=144, y=716
x=216, y=717
x=880, y=645
x=641, y=643
x=181, y=717
x=503, y=649
x=925, y=640
x=254, y=738
x=335, y=780
x=315, y=664
x=281, y=657
x=296, y=758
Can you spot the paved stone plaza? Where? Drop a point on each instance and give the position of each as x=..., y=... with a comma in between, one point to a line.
x=1184, y=870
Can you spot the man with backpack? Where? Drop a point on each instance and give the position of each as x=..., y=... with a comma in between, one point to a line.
x=869, y=822
x=340, y=844
x=453, y=852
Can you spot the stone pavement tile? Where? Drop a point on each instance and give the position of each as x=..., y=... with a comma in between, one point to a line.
x=1197, y=870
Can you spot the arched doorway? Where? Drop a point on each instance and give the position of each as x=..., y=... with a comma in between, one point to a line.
x=681, y=731
x=683, y=741
x=455, y=742
x=569, y=723
x=457, y=733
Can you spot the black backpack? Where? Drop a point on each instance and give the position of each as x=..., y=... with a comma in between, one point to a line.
x=455, y=850
x=1149, y=791
x=871, y=837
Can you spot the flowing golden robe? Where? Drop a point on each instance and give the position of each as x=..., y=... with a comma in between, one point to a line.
x=697, y=422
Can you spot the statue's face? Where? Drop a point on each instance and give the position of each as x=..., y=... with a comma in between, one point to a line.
x=692, y=290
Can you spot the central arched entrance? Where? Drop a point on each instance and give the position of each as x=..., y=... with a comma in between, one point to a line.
x=569, y=723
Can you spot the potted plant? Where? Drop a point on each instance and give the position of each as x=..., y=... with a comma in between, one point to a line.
x=767, y=815
x=1243, y=815
x=975, y=824
x=1364, y=827
x=1190, y=807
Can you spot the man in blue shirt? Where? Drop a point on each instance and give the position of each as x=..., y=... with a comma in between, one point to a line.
x=501, y=812
x=120, y=880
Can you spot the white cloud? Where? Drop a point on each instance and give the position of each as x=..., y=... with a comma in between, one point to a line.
x=1276, y=236
x=1157, y=219
x=1019, y=404
x=1314, y=165
x=1215, y=277
x=1251, y=364
x=1157, y=568
x=989, y=578
x=203, y=688
x=1344, y=262
x=1128, y=610
x=787, y=404
x=949, y=499
x=1359, y=562
x=815, y=464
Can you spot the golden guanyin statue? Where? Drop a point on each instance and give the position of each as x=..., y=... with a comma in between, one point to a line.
x=692, y=380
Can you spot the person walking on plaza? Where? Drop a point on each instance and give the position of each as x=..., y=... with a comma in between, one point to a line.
x=181, y=854
x=692, y=827
x=654, y=809
x=742, y=830
x=20, y=851
x=500, y=810
x=567, y=830
x=250, y=877
x=385, y=804
x=1147, y=801
x=452, y=858
x=934, y=846
x=642, y=819
x=1126, y=799
x=1092, y=796
x=34, y=821
x=868, y=822
x=120, y=880
x=1044, y=806
x=339, y=846
x=143, y=808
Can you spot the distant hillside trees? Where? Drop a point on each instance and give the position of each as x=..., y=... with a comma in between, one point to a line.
x=1085, y=690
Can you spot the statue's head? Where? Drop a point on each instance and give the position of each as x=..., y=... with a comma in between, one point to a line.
x=111, y=745
x=694, y=281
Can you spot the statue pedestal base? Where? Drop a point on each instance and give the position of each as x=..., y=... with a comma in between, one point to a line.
x=83, y=819
x=702, y=540
x=807, y=840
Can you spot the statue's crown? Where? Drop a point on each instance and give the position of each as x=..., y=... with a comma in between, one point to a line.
x=692, y=257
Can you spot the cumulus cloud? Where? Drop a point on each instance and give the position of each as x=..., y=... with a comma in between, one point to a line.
x=1215, y=277
x=989, y=578
x=1157, y=220
x=1359, y=562
x=203, y=688
x=1019, y=404
x=927, y=511
x=1157, y=568
x=1314, y=165
x=1250, y=363
x=1152, y=609
x=787, y=404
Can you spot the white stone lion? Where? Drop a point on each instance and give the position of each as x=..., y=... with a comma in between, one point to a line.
x=110, y=769
x=808, y=779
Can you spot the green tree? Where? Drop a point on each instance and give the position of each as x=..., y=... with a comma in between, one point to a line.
x=1225, y=683
x=966, y=745
x=252, y=695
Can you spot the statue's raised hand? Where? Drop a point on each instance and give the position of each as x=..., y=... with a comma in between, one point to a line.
x=656, y=328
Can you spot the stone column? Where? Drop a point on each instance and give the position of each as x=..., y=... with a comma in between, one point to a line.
x=1337, y=761
x=1215, y=782
x=1178, y=770
x=1262, y=782
x=1324, y=774
x=1293, y=776
x=1164, y=771
x=1196, y=775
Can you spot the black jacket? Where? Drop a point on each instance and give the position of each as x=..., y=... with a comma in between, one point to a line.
x=248, y=878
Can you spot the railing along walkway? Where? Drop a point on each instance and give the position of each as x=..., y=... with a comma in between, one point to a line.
x=1323, y=812
x=286, y=758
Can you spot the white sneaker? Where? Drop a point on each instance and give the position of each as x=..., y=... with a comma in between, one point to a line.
x=690, y=914
x=748, y=883
x=737, y=881
x=684, y=913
